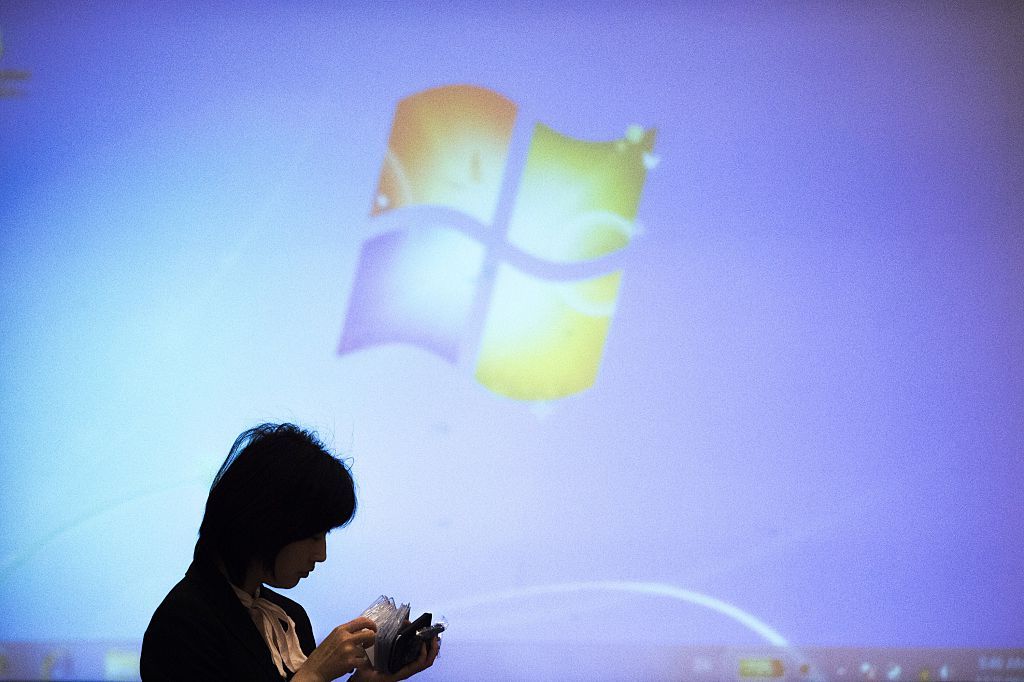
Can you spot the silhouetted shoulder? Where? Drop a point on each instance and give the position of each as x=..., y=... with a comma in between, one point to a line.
x=201, y=631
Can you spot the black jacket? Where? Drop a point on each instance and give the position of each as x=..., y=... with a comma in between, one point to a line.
x=201, y=632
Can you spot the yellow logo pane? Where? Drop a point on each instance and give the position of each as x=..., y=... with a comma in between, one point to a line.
x=577, y=200
x=543, y=340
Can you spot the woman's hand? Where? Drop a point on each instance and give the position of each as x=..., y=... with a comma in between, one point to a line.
x=428, y=654
x=342, y=651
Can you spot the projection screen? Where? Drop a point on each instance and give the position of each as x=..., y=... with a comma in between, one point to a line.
x=666, y=341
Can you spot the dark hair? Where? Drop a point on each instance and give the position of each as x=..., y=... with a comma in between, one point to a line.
x=278, y=484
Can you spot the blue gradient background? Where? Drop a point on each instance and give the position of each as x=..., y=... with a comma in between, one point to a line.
x=811, y=405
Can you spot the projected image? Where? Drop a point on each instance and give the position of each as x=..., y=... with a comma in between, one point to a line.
x=11, y=79
x=665, y=341
x=543, y=340
x=575, y=202
x=414, y=287
x=448, y=147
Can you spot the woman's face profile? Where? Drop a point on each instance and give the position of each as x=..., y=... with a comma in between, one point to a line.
x=296, y=560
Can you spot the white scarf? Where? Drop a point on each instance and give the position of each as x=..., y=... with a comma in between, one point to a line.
x=270, y=620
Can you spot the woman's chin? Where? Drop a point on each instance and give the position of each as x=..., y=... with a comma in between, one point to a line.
x=286, y=583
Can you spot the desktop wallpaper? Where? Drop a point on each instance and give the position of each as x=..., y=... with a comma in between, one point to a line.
x=665, y=340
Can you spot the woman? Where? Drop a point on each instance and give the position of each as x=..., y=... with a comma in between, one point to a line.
x=275, y=498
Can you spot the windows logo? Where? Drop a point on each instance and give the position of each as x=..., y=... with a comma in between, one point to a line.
x=540, y=338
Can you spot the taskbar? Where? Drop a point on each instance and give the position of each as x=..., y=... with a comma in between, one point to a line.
x=476, y=660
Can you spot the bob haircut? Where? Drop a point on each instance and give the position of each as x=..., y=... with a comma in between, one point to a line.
x=278, y=484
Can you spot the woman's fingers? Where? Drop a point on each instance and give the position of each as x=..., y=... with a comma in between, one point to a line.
x=360, y=623
x=344, y=649
x=350, y=643
x=428, y=652
x=363, y=638
x=361, y=632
